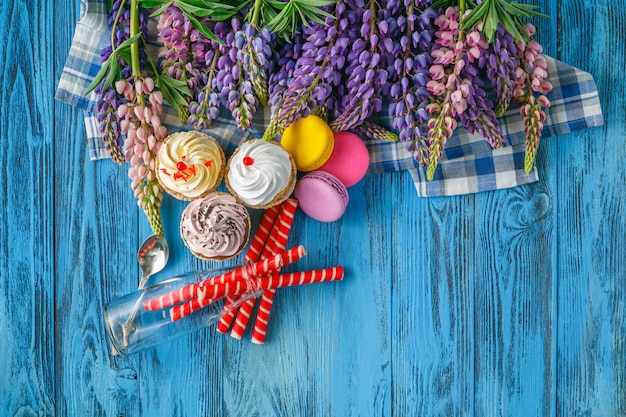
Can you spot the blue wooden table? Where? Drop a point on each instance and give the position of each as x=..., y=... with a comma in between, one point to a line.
x=507, y=303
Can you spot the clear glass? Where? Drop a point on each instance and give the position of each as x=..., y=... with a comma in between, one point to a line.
x=146, y=329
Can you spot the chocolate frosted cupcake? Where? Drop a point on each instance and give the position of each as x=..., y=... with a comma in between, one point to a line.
x=215, y=227
x=190, y=165
x=261, y=174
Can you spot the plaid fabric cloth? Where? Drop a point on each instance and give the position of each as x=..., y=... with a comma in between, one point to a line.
x=468, y=164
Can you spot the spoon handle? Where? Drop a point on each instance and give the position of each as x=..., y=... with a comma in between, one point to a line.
x=143, y=281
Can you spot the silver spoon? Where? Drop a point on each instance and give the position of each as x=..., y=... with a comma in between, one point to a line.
x=152, y=256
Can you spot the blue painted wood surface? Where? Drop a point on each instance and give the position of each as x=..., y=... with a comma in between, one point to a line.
x=507, y=303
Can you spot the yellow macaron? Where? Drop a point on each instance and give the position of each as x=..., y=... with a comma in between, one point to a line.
x=309, y=141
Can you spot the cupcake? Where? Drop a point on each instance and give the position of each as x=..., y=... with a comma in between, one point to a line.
x=215, y=227
x=261, y=174
x=190, y=165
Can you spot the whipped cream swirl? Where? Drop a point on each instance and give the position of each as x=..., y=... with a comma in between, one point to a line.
x=259, y=171
x=215, y=226
x=190, y=164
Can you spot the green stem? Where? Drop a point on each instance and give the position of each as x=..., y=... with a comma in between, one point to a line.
x=462, y=7
x=134, y=47
x=115, y=22
x=374, y=18
x=256, y=14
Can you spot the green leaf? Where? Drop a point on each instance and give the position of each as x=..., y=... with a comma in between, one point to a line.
x=318, y=15
x=524, y=10
x=510, y=26
x=161, y=9
x=173, y=90
x=316, y=3
x=114, y=73
x=177, y=84
x=475, y=16
x=101, y=74
x=203, y=29
x=295, y=12
x=129, y=41
x=439, y=4
x=125, y=54
x=148, y=4
x=491, y=22
x=201, y=10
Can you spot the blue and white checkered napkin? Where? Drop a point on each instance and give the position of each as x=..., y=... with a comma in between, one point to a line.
x=468, y=164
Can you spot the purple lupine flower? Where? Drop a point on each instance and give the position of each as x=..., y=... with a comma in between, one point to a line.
x=204, y=106
x=235, y=88
x=409, y=95
x=175, y=33
x=368, y=63
x=500, y=61
x=316, y=72
x=255, y=52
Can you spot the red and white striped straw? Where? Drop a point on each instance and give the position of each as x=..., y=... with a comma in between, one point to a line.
x=252, y=255
x=262, y=267
x=183, y=310
x=200, y=300
x=277, y=243
x=280, y=231
x=270, y=282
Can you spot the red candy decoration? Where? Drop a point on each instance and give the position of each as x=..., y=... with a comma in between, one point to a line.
x=181, y=166
x=247, y=161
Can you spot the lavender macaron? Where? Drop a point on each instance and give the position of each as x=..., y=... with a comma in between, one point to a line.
x=322, y=196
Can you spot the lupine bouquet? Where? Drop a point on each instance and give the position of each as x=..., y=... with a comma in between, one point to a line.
x=432, y=65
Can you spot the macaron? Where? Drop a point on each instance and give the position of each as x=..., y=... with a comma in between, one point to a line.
x=321, y=196
x=349, y=160
x=310, y=142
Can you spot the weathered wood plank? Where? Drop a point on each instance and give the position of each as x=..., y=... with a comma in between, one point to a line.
x=514, y=301
x=26, y=213
x=327, y=352
x=592, y=222
x=432, y=303
x=505, y=303
x=516, y=264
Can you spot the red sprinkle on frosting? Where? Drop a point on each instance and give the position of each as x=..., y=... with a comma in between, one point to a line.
x=181, y=166
x=208, y=163
x=248, y=161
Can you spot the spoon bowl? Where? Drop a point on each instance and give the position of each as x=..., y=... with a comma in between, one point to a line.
x=152, y=256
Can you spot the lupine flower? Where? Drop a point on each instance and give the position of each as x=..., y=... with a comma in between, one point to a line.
x=456, y=87
x=108, y=100
x=235, y=88
x=316, y=72
x=375, y=131
x=408, y=93
x=204, y=107
x=140, y=120
x=255, y=52
x=531, y=76
x=175, y=33
x=368, y=62
x=500, y=60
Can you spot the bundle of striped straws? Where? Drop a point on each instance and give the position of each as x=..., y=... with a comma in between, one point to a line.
x=258, y=277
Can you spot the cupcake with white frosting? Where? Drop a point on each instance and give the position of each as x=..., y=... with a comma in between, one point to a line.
x=215, y=227
x=261, y=174
x=190, y=165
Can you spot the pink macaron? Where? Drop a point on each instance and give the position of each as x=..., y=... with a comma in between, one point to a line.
x=321, y=196
x=349, y=160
